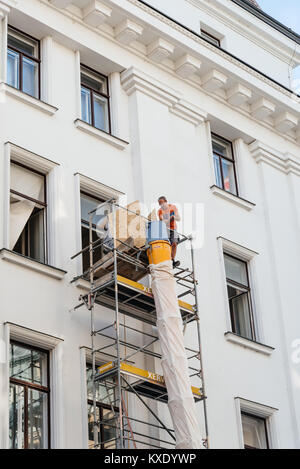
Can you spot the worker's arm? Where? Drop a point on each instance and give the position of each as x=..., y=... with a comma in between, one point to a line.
x=176, y=214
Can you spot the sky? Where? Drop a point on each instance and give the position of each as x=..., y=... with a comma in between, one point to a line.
x=288, y=13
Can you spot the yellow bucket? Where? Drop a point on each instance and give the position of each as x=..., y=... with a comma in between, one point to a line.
x=159, y=251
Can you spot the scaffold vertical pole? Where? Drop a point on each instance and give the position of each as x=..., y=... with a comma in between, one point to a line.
x=199, y=343
x=91, y=306
x=117, y=326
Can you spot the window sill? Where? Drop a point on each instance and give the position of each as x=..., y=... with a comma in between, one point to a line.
x=249, y=344
x=82, y=284
x=32, y=264
x=101, y=135
x=8, y=90
x=243, y=203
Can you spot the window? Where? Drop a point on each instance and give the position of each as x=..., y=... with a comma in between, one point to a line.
x=224, y=165
x=239, y=296
x=255, y=432
x=95, y=99
x=28, y=212
x=23, y=62
x=29, y=403
x=212, y=39
x=106, y=413
x=100, y=228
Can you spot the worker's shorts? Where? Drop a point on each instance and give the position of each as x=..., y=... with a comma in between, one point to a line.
x=173, y=236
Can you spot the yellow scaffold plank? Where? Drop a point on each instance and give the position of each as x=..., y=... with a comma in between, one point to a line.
x=148, y=291
x=143, y=374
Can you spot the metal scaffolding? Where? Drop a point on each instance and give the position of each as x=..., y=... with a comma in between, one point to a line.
x=118, y=376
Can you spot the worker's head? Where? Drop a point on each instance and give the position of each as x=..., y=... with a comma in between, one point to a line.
x=162, y=201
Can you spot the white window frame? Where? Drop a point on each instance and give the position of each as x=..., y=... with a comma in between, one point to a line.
x=54, y=345
x=226, y=246
x=257, y=410
x=49, y=168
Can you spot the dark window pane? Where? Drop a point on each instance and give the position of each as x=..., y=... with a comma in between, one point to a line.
x=36, y=235
x=37, y=419
x=22, y=43
x=91, y=425
x=86, y=110
x=236, y=270
x=104, y=391
x=28, y=364
x=100, y=228
x=16, y=416
x=13, y=64
x=240, y=312
x=94, y=81
x=30, y=77
x=218, y=174
x=101, y=113
x=254, y=432
x=229, y=176
x=108, y=430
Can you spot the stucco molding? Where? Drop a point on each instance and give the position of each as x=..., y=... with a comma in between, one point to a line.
x=249, y=344
x=286, y=163
x=98, y=189
x=31, y=264
x=134, y=80
x=35, y=103
x=234, y=199
x=104, y=136
x=33, y=337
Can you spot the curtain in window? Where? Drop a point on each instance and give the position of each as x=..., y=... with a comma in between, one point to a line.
x=30, y=184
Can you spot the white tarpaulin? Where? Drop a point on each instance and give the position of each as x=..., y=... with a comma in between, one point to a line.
x=174, y=361
x=28, y=183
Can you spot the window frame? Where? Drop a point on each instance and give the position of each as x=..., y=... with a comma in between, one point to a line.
x=43, y=204
x=27, y=385
x=257, y=417
x=23, y=54
x=249, y=297
x=92, y=91
x=207, y=35
x=231, y=160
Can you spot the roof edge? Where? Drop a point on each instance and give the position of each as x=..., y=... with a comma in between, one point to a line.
x=259, y=13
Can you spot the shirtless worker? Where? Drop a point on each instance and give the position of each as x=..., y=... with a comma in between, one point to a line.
x=168, y=213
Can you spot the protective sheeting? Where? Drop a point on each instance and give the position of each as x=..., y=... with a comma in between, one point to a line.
x=174, y=361
x=30, y=184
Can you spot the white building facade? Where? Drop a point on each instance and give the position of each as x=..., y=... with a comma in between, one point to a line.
x=116, y=99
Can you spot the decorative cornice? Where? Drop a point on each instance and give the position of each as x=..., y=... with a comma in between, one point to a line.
x=191, y=35
x=286, y=163
x=217, y=52
x=238, y=25
x=134, y=80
